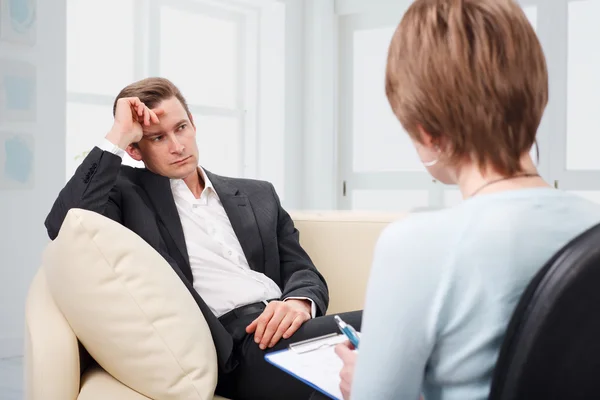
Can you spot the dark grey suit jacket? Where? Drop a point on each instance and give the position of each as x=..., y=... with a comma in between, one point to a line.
x=142, y=201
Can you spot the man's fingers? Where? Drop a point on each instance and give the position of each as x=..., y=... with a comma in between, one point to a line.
x=158, y=111
x=262, y=322
x=298, y=321
x=154, y=117
x=272, y=327
x=146, y=116
x=252, y=327
x=284, y=326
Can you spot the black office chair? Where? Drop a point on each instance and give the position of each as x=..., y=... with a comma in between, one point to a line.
x=552, y=345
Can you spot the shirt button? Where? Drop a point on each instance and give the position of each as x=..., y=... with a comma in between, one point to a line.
x=230, y=252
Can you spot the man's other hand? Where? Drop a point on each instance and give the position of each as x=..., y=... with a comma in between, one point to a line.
x=279, y=320
x=346, y=352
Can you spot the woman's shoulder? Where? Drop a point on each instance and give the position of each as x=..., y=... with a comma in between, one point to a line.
x=422, y=230
x=426, y=222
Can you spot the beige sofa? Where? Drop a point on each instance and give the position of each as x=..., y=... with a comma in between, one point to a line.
x=57, y=367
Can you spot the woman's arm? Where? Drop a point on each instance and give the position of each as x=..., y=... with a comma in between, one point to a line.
x=398, y=330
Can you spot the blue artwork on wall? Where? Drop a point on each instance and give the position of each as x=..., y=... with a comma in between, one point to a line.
x=16, y=161
x=18, y=21
x=18, y=95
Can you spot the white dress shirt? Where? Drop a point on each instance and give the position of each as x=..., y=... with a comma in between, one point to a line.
x=220, y=269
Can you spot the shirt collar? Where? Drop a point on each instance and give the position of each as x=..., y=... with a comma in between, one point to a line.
x=179, y=186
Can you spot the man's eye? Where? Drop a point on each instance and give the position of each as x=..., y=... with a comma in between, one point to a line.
x=182, y=127
x=156, y=138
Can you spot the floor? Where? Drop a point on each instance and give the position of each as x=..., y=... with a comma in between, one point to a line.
x=11, y=379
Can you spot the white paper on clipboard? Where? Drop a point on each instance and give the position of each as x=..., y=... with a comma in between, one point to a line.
x=314, y=362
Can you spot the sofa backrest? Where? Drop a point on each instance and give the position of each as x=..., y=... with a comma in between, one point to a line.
x=341, y=245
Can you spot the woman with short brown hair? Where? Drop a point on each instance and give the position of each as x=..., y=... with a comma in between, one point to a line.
x=468, y=81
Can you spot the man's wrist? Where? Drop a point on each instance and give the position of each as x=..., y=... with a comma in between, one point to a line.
x=107, y=145
x=306, y=303
x=117, y=139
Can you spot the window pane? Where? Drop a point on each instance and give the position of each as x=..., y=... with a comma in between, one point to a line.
x=200, y=54
x=100, y=46
x=389, y=200
x=380, y=143
x=219, y=144
x=87, y=125
x=583, y=86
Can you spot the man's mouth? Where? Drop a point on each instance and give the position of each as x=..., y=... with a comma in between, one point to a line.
x=182, y=160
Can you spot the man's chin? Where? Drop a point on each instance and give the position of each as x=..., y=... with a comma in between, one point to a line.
x=182, y=173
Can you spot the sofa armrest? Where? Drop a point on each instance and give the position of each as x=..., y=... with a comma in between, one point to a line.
x=52, y=359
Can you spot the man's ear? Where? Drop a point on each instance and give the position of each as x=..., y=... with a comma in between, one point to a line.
x=134, y=151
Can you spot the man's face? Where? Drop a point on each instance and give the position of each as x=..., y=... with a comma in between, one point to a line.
x=169, y=148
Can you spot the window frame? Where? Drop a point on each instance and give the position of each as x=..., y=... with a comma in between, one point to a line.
x=246, y=15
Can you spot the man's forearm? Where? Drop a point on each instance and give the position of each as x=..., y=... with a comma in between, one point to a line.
x=89, y=188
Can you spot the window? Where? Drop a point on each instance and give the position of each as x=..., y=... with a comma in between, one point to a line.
x=214, y=51
x=100, y=62
x=583, y=86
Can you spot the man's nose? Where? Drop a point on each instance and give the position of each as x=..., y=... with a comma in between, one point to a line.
x=176, y=146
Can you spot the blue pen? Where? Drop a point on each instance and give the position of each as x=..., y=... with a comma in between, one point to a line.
x=348, y=330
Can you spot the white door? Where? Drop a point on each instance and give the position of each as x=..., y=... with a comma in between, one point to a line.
x=378, y=166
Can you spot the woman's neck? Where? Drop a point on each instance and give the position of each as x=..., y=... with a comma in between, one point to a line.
x=471, y=179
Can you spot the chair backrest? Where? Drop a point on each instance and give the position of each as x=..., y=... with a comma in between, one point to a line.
x=552, y=345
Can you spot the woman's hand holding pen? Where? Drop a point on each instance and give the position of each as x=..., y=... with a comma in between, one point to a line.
x=346, y=352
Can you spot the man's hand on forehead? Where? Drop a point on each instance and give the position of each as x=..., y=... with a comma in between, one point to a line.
x=130, y=116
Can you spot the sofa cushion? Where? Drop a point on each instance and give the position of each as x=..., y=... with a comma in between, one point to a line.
x=130, y=309
x=350, y=239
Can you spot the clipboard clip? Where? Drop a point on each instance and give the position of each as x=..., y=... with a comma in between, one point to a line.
x=308, y=345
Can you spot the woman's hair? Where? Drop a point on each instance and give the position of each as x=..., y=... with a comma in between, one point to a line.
x=473, y=75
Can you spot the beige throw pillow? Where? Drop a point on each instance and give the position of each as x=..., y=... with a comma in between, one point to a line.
x=130, y=309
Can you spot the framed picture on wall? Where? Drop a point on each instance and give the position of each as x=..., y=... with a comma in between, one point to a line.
x=16, y=160
x=18, y=91
x=18, y=20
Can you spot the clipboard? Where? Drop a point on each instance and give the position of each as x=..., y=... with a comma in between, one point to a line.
x=313, y=362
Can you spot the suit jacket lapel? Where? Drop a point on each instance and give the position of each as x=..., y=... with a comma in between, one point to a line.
x=242, y=218
x=160, y=194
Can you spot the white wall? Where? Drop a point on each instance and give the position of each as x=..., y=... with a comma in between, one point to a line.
x=22, y=211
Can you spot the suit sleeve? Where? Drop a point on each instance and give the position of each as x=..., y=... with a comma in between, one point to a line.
x=92, y=188
x=300, y=277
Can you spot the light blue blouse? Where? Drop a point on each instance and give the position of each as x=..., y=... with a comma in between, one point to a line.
x=444, y=284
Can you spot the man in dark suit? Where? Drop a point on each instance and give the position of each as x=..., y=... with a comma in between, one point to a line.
x=229, y=240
